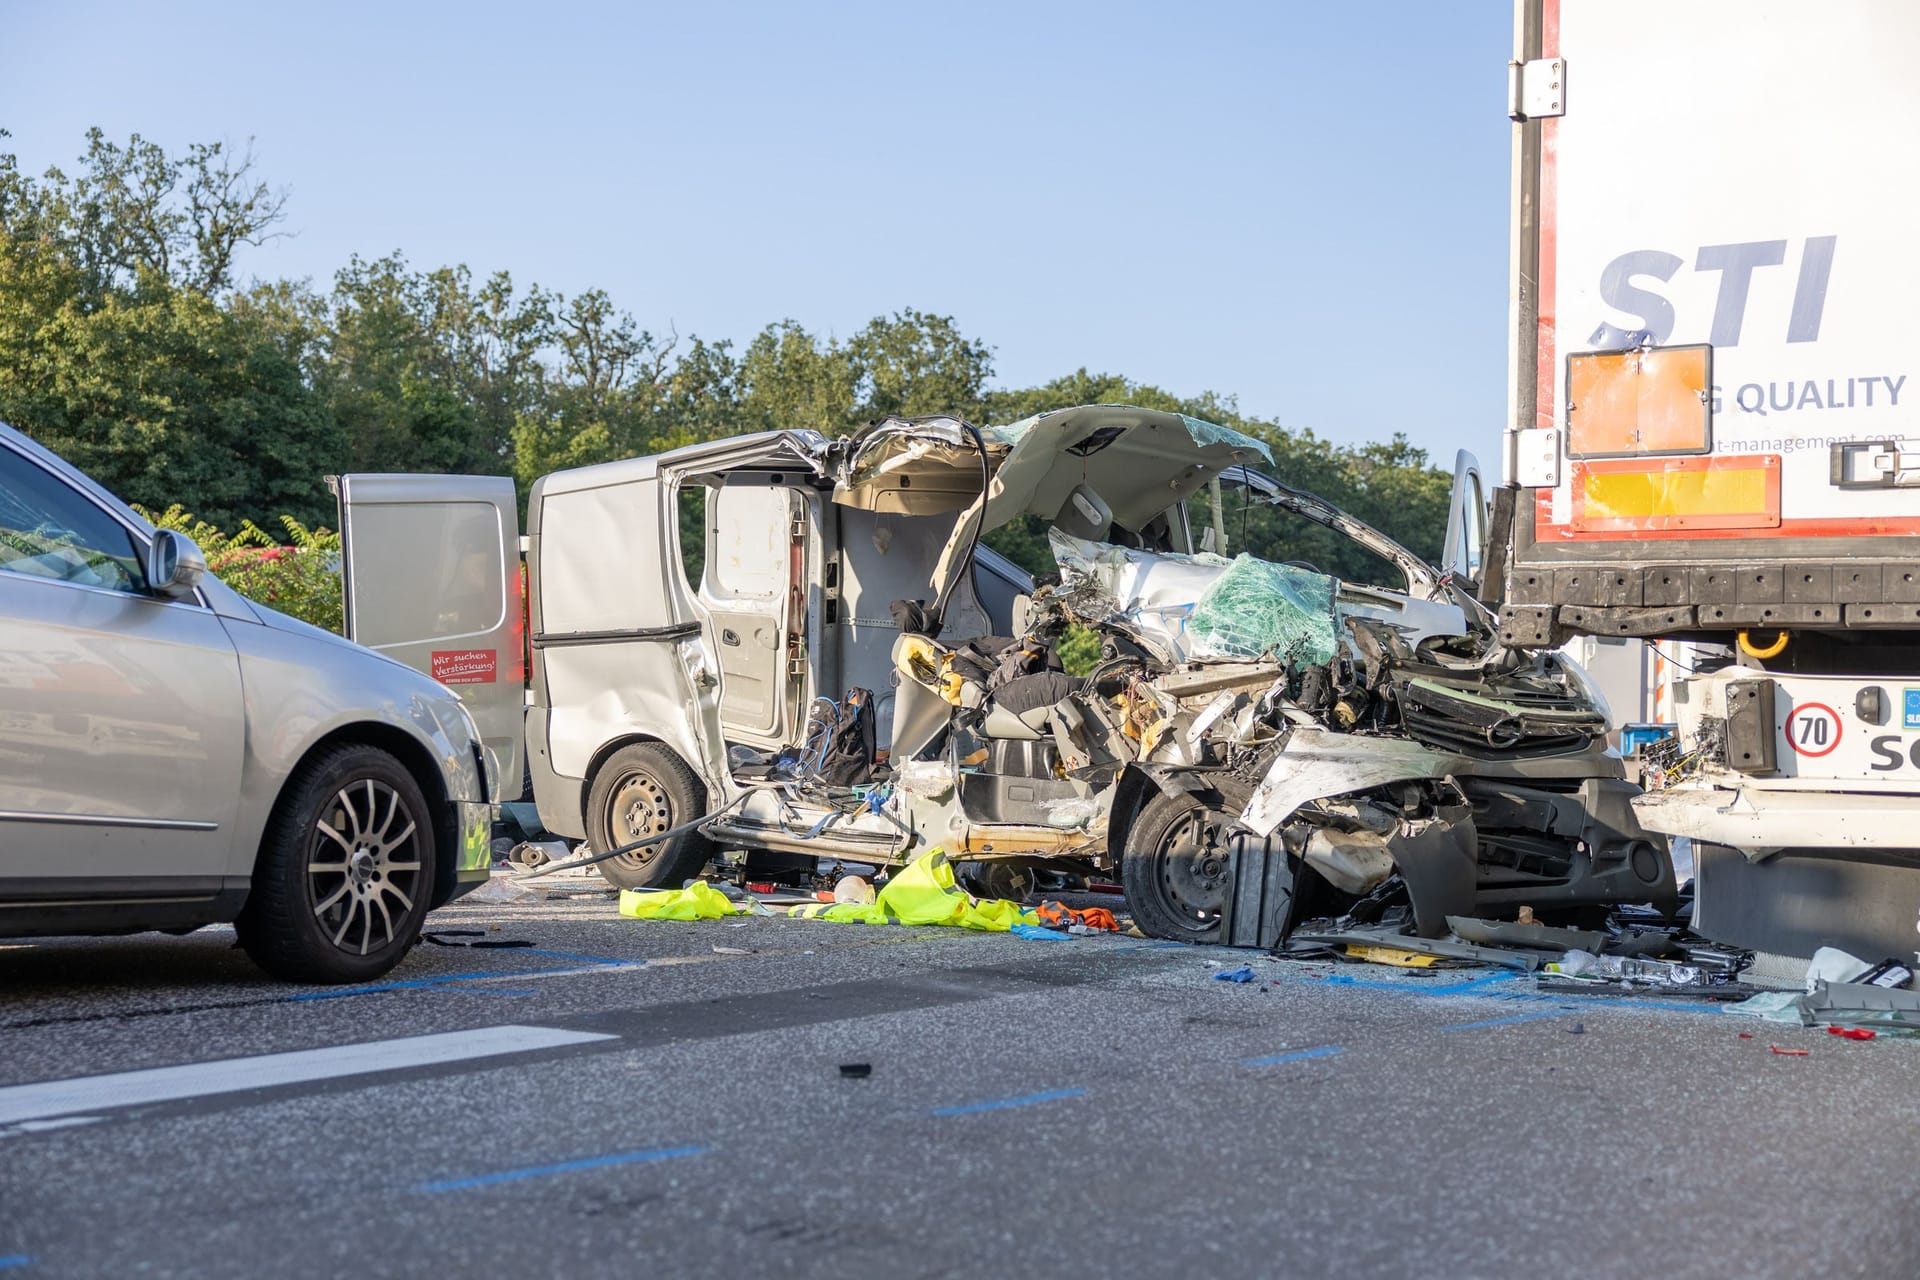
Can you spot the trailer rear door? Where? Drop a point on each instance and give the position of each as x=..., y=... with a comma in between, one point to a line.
x=1715, y=335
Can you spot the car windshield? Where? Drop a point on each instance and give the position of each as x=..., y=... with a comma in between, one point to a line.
x=1249, y=521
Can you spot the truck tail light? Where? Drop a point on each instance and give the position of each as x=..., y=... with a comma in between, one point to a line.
x=515, y=663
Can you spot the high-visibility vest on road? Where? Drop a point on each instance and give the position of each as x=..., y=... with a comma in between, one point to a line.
x=923, y=893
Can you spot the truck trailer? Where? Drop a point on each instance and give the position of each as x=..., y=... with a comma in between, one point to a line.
x=1709, y=407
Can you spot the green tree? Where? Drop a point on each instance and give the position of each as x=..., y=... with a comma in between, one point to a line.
x=388, y=373
x=1079, y=387
x=790, y=379
x=134, y=217
x=300, y=578
x=115, y=352
x=607, y=395
x=126, y=344
x=914, y=364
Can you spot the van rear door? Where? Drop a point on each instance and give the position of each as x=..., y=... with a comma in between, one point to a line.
x=431, y=570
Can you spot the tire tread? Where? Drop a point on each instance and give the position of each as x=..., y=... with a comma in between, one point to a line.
x=270, y=924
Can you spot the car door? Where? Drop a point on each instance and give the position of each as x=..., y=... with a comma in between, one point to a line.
x=1465, y=550
x=431, y=570
x=752, y=591
x=122, y=721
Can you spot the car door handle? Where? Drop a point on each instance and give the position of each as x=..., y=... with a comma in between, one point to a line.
x=729, y=636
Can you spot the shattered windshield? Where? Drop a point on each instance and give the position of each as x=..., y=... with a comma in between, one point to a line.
x=1249, y=522
x=1201, y=606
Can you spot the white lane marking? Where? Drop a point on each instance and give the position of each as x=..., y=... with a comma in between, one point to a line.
x=48, y=1126
x=234, y=1075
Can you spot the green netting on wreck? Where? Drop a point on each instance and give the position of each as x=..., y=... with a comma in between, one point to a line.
x=1257, y=608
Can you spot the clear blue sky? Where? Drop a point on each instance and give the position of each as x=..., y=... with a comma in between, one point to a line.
x=1303, y=205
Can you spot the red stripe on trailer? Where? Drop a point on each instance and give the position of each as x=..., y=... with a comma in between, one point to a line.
x=1546, y=281
x=1821, y=527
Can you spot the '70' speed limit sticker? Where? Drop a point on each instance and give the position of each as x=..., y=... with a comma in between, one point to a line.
x=1813, y=729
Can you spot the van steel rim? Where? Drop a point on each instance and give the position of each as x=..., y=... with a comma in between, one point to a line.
x=1193, y=869
x=640, y=809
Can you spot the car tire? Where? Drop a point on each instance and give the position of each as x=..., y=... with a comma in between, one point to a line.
x=642, y=790
x=346, y=870
x=1174, y=864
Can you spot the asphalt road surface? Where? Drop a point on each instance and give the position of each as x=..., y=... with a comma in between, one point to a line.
x=624, y=1098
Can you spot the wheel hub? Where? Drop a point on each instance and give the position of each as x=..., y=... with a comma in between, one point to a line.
x=641, y=809
x=364, y=867
x=1194, y=869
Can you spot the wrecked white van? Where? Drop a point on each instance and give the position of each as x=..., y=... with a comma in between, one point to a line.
x=837, y=669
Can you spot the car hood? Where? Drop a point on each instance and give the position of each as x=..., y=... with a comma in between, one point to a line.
x=278, y=621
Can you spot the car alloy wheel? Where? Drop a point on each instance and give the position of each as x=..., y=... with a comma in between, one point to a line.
x=364, y=866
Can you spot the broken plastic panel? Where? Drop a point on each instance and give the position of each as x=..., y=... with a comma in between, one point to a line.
x=916, y=468
x=1203, y=433
x=1139, y=462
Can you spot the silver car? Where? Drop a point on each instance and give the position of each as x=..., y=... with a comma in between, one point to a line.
x=173, y=755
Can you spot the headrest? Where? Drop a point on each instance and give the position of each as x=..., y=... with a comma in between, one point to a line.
x=1085, y=514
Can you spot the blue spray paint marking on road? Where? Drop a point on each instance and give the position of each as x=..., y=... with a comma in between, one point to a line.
x=1300, y=1055
x=570, y=1166
x=1470, y=989
x=411, y=984
x=1500, y=1022
x=421, y=984
x=1006, y=1103
x=579, y=959
x=14, y=1260
x=1450, y=989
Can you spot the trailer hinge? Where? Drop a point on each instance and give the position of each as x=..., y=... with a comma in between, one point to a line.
x=1537, y=89
x=1873, y=464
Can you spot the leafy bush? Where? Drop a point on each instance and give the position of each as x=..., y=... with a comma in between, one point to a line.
x=1079, y=649
x=300, y=577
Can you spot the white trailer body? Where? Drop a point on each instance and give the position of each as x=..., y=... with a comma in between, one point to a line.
x=1711, y=402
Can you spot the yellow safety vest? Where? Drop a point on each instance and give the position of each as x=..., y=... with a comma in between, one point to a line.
x=923, y=893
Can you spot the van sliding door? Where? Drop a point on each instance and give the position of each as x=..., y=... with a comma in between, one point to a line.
x=755, y=558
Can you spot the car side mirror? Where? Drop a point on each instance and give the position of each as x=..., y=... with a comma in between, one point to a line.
x=175, y=565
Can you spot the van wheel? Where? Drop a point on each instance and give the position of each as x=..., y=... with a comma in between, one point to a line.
x=1174, y=865
x=345, y=872
x=643, y=790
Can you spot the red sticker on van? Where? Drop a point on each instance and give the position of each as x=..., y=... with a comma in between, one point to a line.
x=466, y=666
